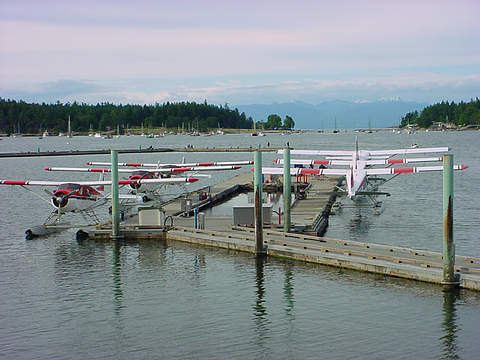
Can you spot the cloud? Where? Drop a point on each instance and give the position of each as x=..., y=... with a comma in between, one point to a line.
x=238, y=52
x=423, y=87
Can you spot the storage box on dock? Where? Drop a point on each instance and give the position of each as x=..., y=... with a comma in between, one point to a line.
x=150, y=216
x=245, y=214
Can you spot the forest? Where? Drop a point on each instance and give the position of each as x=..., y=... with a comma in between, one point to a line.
x=461, y=114
x=22, y=117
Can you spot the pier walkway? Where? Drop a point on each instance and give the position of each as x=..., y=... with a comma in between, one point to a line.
x=302, y=246
x=375, y=258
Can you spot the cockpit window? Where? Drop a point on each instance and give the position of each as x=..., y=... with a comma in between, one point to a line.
x=70, y=186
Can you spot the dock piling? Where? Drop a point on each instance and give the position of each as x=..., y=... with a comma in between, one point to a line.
x=449, y=279
x=115, y=202
x=257, y=191
x=287, y=192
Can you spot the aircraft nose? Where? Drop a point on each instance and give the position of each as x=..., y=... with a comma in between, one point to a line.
x=134, y=184
x=59, y=200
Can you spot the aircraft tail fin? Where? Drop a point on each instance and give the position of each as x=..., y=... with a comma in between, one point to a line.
x=101, y=187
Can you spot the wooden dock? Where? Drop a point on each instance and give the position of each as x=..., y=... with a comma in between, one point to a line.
x=375, y=258
x=146, y=150
x=305, y=246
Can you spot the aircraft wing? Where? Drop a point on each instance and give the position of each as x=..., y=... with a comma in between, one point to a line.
x=96, y=183
x=410, y=170
x=301, y=171
x=156, y=170
x=166, y=165
x=409, y=151
x=197, y=168
x=315, y=162
x=370, y=152
x=402, y=161
x=367, y=162
x=319, y=152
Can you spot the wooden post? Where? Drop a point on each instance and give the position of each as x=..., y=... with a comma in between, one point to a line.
x=257, y=192
x=449, y=279
x=287, y=190
x=115, y=203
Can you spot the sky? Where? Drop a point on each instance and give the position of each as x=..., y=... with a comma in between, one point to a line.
x=239, y=52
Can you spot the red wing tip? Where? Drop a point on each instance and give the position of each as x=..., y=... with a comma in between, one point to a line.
x=236, y=167
x=463, y=167
x=191, y=179
x=89, y=163
x=47, y=168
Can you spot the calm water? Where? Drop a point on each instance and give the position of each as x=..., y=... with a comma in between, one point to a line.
x=59, y=299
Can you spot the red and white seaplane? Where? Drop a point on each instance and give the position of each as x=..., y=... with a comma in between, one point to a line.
x=84, y=196
x=138, y=177
x=361, y=179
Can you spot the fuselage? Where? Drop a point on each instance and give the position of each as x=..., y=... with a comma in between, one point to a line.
x=71, y=197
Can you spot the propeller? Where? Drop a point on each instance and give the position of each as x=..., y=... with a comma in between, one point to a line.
x=60, y=199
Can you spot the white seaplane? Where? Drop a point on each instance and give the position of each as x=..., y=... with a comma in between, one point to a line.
x=361, y=179
x=84, y=196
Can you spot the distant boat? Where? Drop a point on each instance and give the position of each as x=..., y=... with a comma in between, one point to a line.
x=97, y=135
x=335, y=131
x=46, y=133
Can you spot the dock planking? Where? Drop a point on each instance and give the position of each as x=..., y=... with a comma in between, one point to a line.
x=388, y=260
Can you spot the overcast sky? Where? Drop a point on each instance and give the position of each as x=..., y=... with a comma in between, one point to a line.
x=239, y=51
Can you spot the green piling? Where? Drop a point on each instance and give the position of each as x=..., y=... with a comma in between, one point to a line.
x=287, y=192
x=115, y=202
x=449, y=278
x=257, y=191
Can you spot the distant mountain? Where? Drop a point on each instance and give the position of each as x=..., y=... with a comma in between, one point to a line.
x=348, y=115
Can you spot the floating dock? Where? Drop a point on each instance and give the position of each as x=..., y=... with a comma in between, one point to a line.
x=127, y=151
x=303, y=245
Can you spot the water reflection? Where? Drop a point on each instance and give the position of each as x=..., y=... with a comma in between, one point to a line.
x=288, y=291
x=359, y=222
x=449, y=326
x=259, y=309
x=117, y=279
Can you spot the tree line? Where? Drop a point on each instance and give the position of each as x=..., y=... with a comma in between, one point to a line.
x=34, y=118
x=274, y=122
x=461, y=114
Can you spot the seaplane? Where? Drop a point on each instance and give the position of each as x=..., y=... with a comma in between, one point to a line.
x=84, y=196
x=137, y=176
x=361, y=178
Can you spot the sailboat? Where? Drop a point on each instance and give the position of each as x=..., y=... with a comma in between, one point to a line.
x=335, y=129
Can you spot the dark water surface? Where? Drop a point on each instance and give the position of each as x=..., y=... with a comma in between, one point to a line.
x=60, y=299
